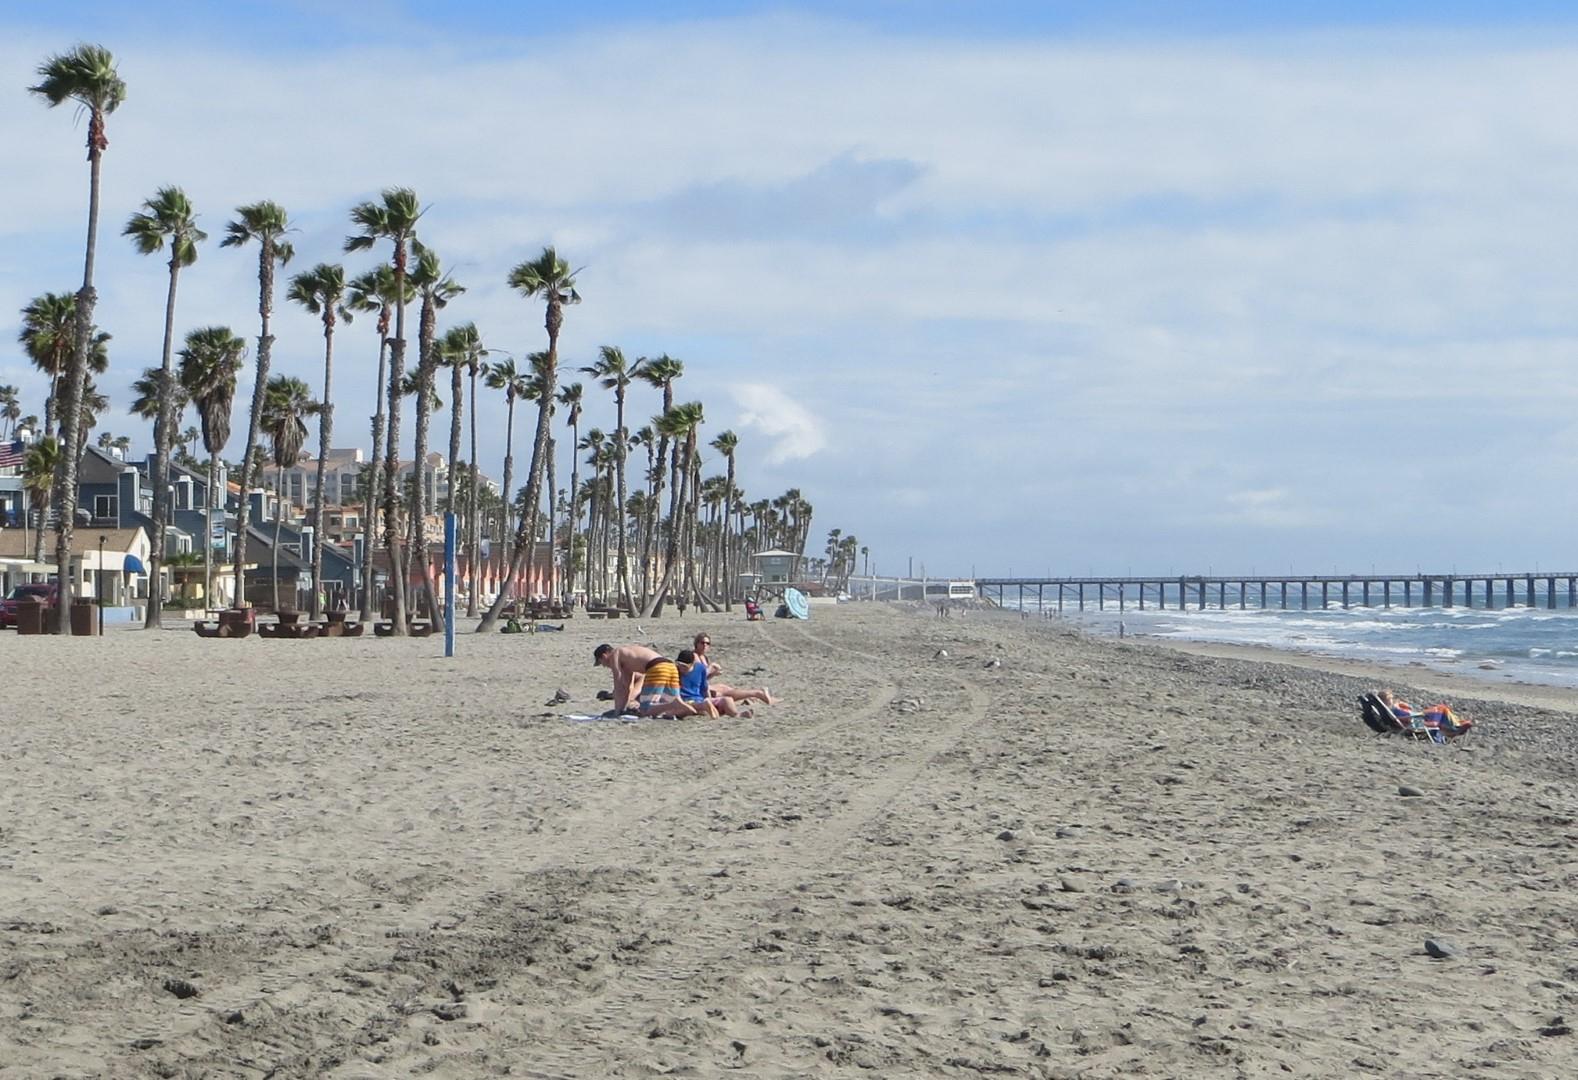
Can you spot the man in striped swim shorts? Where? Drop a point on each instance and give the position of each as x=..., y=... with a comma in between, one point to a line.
x=646, y=683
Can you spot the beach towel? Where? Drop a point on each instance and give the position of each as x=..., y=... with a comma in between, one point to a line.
x=591, y=718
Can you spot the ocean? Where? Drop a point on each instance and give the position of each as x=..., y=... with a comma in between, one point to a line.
x=1523, y=644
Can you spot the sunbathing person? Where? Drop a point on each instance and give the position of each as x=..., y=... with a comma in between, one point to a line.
x=645, y=682
x=1439, y=719
x=702, y=645
x=693, y=686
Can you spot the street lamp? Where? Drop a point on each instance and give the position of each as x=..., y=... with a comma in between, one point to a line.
x=98, y=584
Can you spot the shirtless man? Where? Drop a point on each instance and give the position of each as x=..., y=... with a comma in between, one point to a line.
x=702, y=645
x=646, y=682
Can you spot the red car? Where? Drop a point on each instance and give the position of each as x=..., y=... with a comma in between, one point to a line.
x=49, y=593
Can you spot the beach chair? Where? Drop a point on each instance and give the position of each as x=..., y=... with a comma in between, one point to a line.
x=1381, y=720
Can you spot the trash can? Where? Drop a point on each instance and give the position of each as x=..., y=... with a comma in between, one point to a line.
x=30, y=615
x=84, y=617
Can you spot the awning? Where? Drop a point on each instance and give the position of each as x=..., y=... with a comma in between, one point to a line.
x=133, y=565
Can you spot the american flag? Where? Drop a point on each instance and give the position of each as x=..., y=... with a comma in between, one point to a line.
x=12, y=454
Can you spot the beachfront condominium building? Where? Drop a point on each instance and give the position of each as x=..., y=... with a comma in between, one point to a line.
x=341, y=470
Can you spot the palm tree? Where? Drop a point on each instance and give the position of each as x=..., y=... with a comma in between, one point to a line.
x=660, y=372
x=393, y=217
x=592, y=446
x=49, y=326
x=188, y=440
x=265, y=222
x=322, y=291
x=726, y=444
x=86, y=75
x=10, y=409
x=167, y=218
x=461, y=350
x=550, y=279
x=614, y=373
x=286, y=404
x=123, y=444
x=147, y=393
x=571, y=397
x=209, y=365
x=38, y=480
x=105, y=441
x=93, y=405
x=502, y=375
x=680, y=424
x=436, y=288
x=375, y=292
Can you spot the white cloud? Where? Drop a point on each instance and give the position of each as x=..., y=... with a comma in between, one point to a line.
x=795, y=433
x=1137, y=276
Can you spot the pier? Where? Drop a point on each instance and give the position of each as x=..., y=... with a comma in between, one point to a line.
x=1285, y=592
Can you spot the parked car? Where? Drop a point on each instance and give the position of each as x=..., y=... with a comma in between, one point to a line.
x=50, y=593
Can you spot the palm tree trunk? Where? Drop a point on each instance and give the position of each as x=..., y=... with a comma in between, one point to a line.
x=67, y=470
x=424, y=414
x=654, y=506
x=161, y=450
x=265, y=350
x=627, y=596
x=506, y=538
x=730, y=575
x=575, y=502
x=553, y=525
x=397, y=574
x=208, y=541
x=474, y=546
x=325, y=432
x=371, y=515
x=671, y=566
x=279, y=517
x=38, y=535
x=526, y=532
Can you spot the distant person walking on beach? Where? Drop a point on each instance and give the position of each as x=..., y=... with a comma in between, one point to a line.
x=645, y=682
x=702, y=646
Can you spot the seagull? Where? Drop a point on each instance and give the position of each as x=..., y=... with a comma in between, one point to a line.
x=942, y=654
x=994, y=662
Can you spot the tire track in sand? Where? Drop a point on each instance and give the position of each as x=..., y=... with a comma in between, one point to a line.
x=815, y=851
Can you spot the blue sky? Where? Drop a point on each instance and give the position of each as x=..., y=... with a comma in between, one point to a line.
x=1042, y=287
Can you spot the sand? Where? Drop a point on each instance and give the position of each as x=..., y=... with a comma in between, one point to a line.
x=354, y=858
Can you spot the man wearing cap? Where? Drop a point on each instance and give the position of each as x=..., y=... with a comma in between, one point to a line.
x=646, y=681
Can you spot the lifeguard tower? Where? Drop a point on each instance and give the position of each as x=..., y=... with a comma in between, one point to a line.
x=775, y=571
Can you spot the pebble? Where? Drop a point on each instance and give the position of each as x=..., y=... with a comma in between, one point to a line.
x=180, y=988
x=1170, y=885
x=1068, y=832
x=1070, y=885
x=1007, y=834
x=1441, y=950
x=1123, y=885
x=1409, y=792
x=450, y=1010
x=1557, y=1026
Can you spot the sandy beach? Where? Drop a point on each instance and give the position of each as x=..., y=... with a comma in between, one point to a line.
x=1096, y=858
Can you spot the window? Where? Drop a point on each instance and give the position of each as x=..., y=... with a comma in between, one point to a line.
x=106, y=507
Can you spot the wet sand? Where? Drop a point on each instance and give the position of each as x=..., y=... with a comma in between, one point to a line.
x=1095, y=858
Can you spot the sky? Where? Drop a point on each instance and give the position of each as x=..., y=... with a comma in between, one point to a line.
x=1002, y=288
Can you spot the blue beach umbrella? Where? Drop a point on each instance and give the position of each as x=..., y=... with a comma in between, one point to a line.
x=795, y=601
